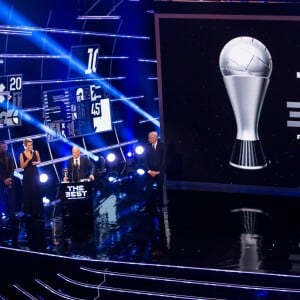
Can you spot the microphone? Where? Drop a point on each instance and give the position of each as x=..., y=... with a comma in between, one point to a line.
x=246, y=66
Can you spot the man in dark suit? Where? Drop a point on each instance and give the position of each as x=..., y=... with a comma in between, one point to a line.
x=8, y=201
x=7, y=192
x=79, y=167
x=154, y=161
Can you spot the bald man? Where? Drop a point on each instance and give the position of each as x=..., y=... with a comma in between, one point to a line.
x=80, y=167
x=154, y=161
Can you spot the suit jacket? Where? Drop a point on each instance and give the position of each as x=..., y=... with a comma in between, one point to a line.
x=7, y=167
x=155, y=160
x=86, y=168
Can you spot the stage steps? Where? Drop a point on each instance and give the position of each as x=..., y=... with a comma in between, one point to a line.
x=32, y=275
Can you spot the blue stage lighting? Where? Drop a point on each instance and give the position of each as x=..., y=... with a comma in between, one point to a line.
x=56, y=49
x=112, y=178
x=43, y=178
x=18, y=175
x=31, y=120
x=139, y=150
x=140, y=171
x=263, y=294
x=111, y=157
x=129, y=154
x=46, y=201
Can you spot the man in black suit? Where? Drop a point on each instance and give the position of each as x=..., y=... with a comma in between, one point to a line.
x=79, y=167
x=8, y=201
x=7, y=192
x=154, y=161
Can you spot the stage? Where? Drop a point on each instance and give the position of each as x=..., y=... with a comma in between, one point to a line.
x=214, y=231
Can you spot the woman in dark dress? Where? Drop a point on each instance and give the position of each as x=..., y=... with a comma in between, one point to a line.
x=32, y=196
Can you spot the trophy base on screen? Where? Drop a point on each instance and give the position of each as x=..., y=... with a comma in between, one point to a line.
x=248, y=155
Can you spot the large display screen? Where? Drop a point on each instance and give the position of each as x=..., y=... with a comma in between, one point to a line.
x=10, y=100
x=229, y=87
x=77, y=111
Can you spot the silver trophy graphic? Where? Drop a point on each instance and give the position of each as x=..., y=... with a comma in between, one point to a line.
x=246, y=66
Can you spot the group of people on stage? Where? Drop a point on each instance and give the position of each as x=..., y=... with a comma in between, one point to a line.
x=79, y=167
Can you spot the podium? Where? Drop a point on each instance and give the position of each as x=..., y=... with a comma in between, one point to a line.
x=78, y=218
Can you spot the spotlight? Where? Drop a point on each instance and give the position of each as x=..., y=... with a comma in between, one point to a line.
x=46, y=201
x=43, y=178
x=112, y=177
x=139, y=150
x=129, y=154
x=140, y=171
x=111, y=157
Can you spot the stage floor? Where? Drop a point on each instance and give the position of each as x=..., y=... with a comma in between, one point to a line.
x=122, y=231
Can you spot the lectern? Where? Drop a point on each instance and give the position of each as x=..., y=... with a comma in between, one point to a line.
x=77, y=218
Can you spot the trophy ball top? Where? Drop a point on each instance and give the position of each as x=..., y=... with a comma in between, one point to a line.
x=245, y=56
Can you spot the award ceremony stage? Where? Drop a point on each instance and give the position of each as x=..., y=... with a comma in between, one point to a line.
x=87, y=247
x=217, y=82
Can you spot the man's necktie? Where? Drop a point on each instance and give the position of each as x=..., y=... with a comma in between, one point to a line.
x=76, y=171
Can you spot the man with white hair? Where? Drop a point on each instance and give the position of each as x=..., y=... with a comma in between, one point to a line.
x=155, y=161
x=80, y=167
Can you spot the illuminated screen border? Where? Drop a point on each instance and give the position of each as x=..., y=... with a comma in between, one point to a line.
x=178, y=104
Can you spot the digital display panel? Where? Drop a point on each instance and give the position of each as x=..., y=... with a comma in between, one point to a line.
x=84, y=60
x=10, y=100
x=221, y=134
x=77, y=111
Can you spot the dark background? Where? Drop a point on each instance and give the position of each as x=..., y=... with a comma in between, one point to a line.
x=198, y=121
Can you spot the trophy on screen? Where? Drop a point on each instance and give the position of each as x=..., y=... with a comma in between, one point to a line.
x=246, y=66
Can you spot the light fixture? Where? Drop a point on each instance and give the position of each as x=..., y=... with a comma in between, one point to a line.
x=111, y=157
x=43, y=178
x=140, y=171
x=130, y=154
x=112, y=177
x=139, y=150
